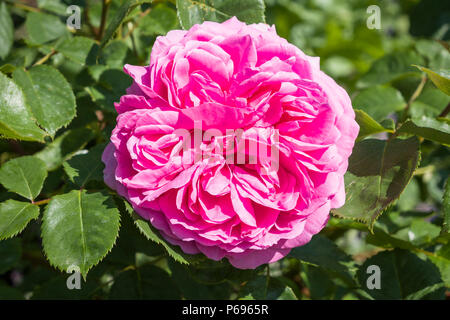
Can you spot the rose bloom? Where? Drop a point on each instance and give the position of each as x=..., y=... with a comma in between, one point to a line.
x=232, y=76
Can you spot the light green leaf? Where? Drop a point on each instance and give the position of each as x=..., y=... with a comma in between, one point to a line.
x=10, y=253
x=160, y=20
x=14, y=217
x=79, y=229
x=55, y=6
x=378, y=172
x=79, y=49
x=64, y=147
x=86, y=166
x=6, y=31
x=261, y=289
x=440, y=78
x=16, y=119
x=367, y=125
x=379, y=101
x=391, y=67
x=428, y=128
x=43, y=27
x=321, y=251
x=49, y=95
x=400, y=278
x=24, y=175
x=192, y=12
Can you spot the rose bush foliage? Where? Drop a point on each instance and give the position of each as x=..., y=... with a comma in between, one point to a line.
x=66, y=103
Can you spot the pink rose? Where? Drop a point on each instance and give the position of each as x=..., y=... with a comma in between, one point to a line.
x=232, y=76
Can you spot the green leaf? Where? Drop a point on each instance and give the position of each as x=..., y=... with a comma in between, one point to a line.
x=262, y=289
x=116, y=21
x=379, y=101
x=160, y=20
x=64, y=147
x=440, y=78
x=49, y=95
x=16, y=119
x=367, y=125
x=10, y=253
x=319, y=282
x=14, y=217
x=146, y=282
x=428, y=128
x=79, y=229
x=391, y=67
x=321, y=251
x=24, y=175
x=446, y=206
x=86, y=166
x=378, y=172
x=152, y=234
x=43, y=27
x=79, y=49
x=191, y=288
x=10, y=293
x=441, y=259
x=401, y=278
x=56, y=289
x=191, y=12
x=54, y=6
x=6, y=31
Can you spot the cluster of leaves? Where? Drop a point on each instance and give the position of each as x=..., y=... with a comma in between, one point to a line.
x=57, y=89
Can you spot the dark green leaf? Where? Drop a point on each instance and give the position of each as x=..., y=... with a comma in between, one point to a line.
x=10, y=293
x=378, y=172
x=401, y=278
x=16, y=119
x=10, y=253
x=24, y=175
x=321, y=251
x=86, y=166
x=14, y=217
x=64, y=147
x=49, y=95
x=151, y=234
x=146, y=282
x=262, y=288
x=79, y=229
x=191, y=12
